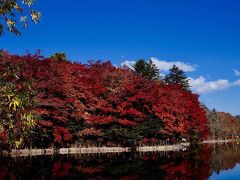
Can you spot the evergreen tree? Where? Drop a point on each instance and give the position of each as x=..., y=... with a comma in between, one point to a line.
x=59, y=56
x=147, y=70
x=213, y=122
x=177, y=76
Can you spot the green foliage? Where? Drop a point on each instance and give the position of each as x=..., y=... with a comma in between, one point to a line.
x=150, y=128
x=213, y=122
x=14, y=12
x=147, y=70
x=194, y=137
x=177, y=76
x=60, y=56
x=123, y=136
x=16, y=98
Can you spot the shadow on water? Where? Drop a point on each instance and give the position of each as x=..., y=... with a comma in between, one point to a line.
x=199, y=163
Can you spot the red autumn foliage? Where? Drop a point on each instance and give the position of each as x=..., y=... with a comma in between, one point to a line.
x=61, y=134
x=73, y=98
x=3, y=137
x=90, y=170
x=46, y=123
x=126, y=122
x=89, y=132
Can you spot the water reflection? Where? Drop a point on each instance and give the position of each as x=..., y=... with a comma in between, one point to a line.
x=196, y=164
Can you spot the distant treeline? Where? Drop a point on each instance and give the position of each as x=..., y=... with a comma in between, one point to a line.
x=223, y=125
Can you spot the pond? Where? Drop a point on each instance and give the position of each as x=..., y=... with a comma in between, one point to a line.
x=206, y=162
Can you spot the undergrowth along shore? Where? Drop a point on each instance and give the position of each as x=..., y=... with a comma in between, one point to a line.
x=94, y=150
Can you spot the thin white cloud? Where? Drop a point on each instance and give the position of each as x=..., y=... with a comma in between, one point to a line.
x=237, y=83
x=128, y=63
x=163, y=65
x=166, y=65
x=236, y=72
x=200, y=85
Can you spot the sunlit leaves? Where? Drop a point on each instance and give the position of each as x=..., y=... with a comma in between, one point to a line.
x=16, y=103
x=16, y=12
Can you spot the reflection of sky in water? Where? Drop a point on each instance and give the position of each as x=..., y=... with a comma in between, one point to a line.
x=233, y=174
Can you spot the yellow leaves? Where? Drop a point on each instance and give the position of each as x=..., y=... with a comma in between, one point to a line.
x=10, y=124
x=10, y=23
x=28, y=2
x=9, y=97
x=1, y=128
x=14, y=103
x=18, y=143
x=36, y=16
x=17, y=7
x=28, y=122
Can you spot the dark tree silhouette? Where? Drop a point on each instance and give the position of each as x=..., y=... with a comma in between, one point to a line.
x=60, y=56
x=147, y=70
x=177, y=76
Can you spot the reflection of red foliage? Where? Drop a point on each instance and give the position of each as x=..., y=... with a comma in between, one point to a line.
x=61, y=169
x=130, y=177
x=3, y=173
x=90, y=170
x=195, y=166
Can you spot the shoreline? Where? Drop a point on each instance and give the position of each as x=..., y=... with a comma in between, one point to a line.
x=89, y=150
x=95, y=150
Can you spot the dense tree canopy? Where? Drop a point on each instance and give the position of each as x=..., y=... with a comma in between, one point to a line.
x=17, y=12
x=97, y=103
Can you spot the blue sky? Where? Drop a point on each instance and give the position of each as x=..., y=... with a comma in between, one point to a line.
x=202, y=35
x=232, y=174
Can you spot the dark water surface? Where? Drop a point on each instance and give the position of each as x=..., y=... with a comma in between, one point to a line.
x=205, y=162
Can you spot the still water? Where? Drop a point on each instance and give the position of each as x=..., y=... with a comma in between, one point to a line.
x=205, y=162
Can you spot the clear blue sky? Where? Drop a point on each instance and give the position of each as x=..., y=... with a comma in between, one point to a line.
x=204, y=34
